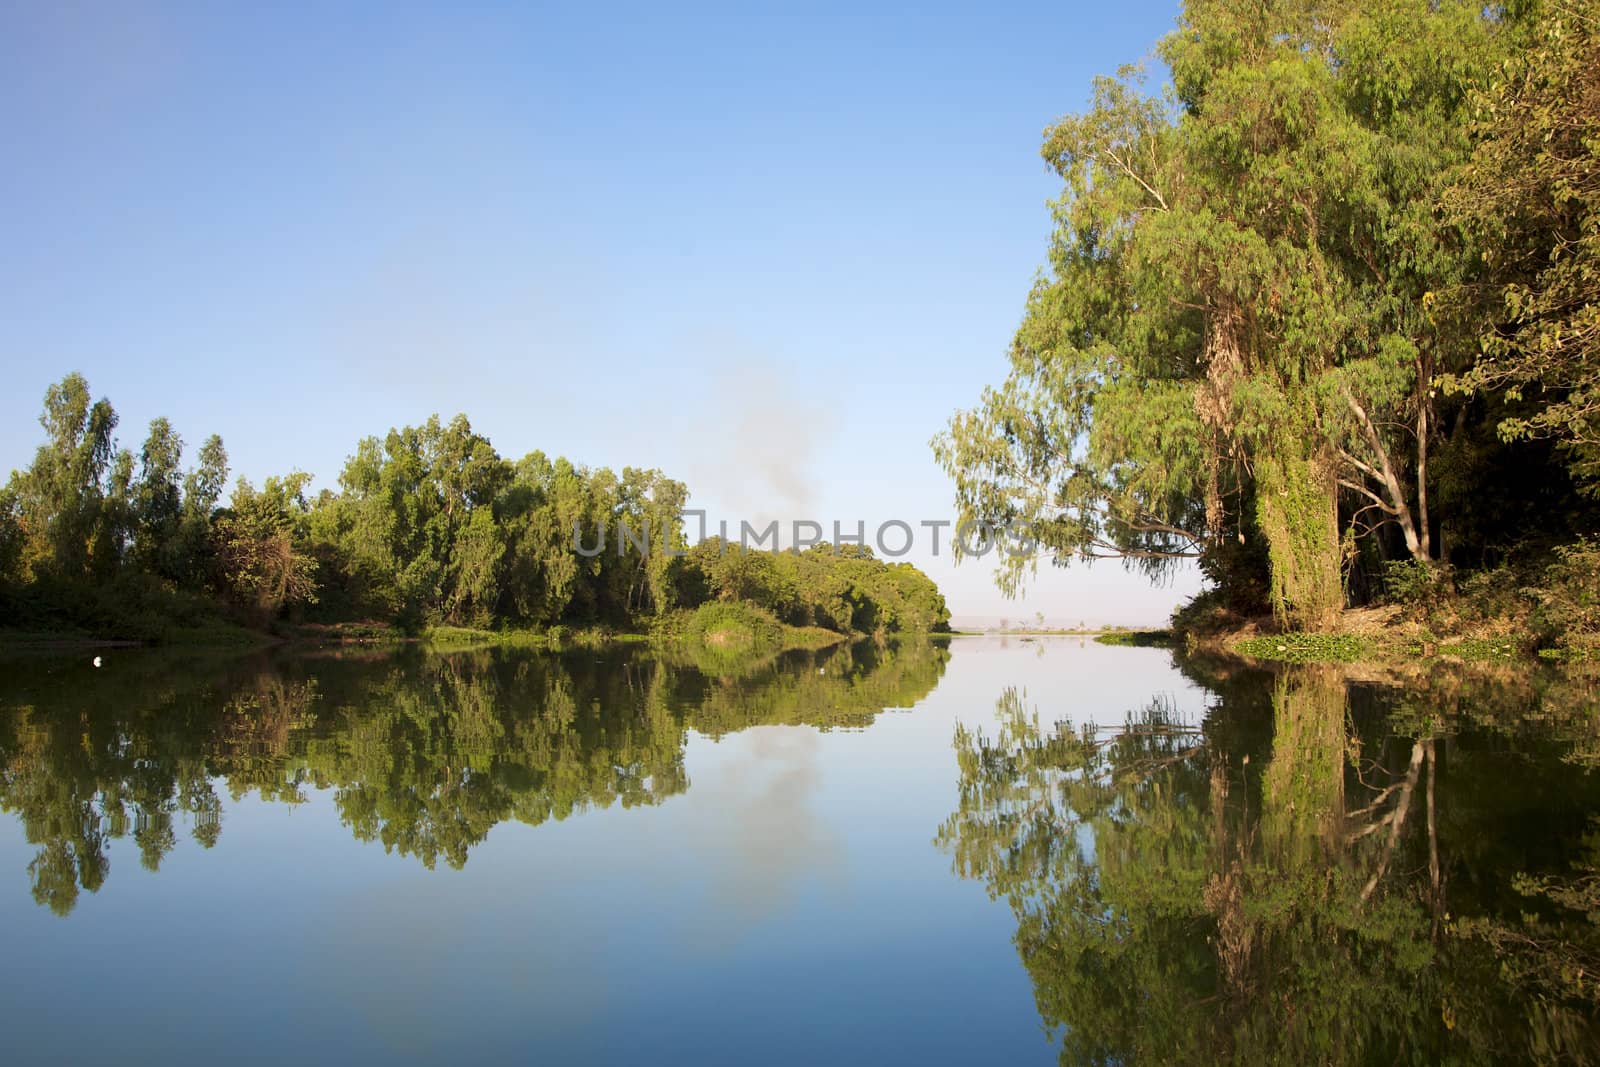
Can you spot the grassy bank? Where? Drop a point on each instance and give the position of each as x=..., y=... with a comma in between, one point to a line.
x=1546, y=609
x=1376, y=636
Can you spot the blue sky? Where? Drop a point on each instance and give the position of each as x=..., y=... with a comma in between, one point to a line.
x=766, y=253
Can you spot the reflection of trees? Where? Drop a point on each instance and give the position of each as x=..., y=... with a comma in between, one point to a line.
x=843, y=686
x=1178, y=903
x=424, y=754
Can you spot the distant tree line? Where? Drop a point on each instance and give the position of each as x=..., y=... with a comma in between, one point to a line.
x=1324, y=304
x=429, y=525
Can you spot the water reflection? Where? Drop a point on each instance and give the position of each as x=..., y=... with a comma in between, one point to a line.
x=1315, y=872
x=425, y=754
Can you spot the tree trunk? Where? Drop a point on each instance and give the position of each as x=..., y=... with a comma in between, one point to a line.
x=1297, y=510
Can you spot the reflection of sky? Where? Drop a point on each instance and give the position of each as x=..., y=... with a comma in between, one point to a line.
x=789, y=907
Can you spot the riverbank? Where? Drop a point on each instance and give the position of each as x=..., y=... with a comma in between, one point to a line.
x=724, y=628
x=1544, y=609
x=1387, y=636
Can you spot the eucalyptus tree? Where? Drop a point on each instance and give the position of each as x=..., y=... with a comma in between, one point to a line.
x=543, y=501
x=202, y=489
x=1236, y=333
x=415, y=522
x=60, y=497
x=158, y=502
x=11, y=538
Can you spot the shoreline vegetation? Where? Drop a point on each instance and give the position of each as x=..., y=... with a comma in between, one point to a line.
x=431, y=536
x=1548, y=612
x=1321, y=317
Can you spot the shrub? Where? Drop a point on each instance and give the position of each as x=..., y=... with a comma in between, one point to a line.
x=1420, y=586
x=732, y=625
x=1567, y=602
x=1205, y=613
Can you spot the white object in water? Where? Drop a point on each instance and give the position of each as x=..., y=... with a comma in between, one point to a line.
x=97, y=661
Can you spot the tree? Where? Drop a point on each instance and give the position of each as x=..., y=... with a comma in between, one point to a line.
x=60, y=496
x=1531, y=197
x=158, y=503
x=202, y=489
x=1234, y=341
x=11, y=538
x=537, y=511
x=264, y=569
x=408, y=525
x=430, y=526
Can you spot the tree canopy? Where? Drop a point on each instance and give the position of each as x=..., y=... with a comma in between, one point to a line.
x=429, y=525
x=1262, y=273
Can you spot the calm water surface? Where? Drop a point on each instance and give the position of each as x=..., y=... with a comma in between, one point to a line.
x=987, y=851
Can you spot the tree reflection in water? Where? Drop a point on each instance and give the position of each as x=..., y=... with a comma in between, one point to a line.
x=426, y=754
x=1316, y=873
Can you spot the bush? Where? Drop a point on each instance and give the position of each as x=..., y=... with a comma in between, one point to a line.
x=732, y=625
x=1420, y=586
x=1206, y=613
x=131, y=606
x=1566, y=615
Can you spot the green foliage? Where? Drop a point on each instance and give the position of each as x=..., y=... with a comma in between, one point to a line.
x=1531, y=195
x=1295, y=509
x=157, y=503
x=1418, y=585
x=413, y=533
x=61, y=500
x=93, y=540
x=1484, y=650
x=431, y=530
x=847, y=590
x=261, y=567
x=733, y=626
x=1567, y=612
x=1258, y=274
x=12, y=538
x=128, y=606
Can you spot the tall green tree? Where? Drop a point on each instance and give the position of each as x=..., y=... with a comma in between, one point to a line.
x=202, y=490
x=416, y=521
x=158, y=502
x=1235, y=339
x=60, y=497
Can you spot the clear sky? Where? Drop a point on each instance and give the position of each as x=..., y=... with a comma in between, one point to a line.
x=768, y=254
